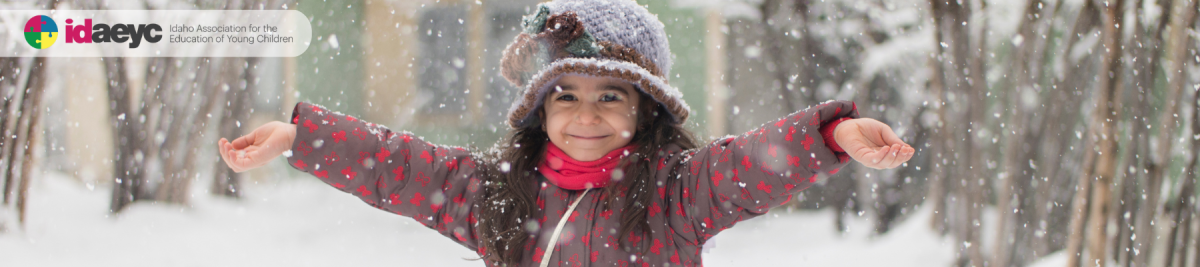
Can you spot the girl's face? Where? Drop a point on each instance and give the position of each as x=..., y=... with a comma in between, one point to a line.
x=588, y=117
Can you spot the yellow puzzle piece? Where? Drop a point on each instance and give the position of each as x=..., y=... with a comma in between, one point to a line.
x=48, y=39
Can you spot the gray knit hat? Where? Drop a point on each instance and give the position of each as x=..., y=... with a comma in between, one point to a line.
x=613, y=38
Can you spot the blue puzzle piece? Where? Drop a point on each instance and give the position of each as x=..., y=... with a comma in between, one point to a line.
x=48, y=25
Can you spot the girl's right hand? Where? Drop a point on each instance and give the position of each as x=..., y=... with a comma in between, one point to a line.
x=872, y=143
x=258, y=147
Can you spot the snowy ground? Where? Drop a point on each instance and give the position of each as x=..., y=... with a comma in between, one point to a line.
x=302, y=222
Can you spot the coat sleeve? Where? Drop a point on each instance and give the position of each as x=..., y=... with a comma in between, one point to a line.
x=395, y=172
x=736, y=178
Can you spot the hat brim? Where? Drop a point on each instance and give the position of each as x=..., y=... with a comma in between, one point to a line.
x=522, y=110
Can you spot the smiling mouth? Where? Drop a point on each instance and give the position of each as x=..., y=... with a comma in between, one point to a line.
x=589, y=137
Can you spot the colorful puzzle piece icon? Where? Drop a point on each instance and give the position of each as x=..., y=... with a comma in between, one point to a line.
x=41, y=32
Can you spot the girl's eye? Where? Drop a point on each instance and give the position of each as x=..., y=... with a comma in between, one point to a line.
x=610, y=97
x=566, y=98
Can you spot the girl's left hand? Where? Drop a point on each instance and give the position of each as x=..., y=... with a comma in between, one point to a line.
x=257, y=148
x=872, y=143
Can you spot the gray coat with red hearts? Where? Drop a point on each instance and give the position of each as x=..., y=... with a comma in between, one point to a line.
x=702, y=191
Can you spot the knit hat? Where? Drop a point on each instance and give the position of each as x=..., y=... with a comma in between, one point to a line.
x=601, y=38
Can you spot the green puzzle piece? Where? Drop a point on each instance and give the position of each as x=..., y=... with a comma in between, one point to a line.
x=34, y=39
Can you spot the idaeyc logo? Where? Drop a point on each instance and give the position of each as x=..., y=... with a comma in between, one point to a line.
x=41, y=32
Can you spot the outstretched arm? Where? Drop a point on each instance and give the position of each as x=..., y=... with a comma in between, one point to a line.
x=741, y=177
x=393, y=171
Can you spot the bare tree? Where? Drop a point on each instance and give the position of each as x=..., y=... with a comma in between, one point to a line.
x=21, y=135
x=32, y=103
x=1107, y=115
x=237, y=110
x=1015, y=197
x=1100, y=172
x=1056, y=156
x=960, y=55
x=129, y=182
x=775, y=47
x=1144, y=52
x=162, y=143
x=1176, y=61
x=1179, y=14
x=939, y=177
x=10, y=75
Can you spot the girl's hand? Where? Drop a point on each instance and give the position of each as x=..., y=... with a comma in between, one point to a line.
x=872, y=143
x=258, y=147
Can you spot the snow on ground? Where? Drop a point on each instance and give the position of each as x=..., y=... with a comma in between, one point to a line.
x=1053, y=260
x=809, y=239
x=303, y=222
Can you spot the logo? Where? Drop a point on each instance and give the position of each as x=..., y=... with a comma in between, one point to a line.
x=41, y=32
x=117, y=33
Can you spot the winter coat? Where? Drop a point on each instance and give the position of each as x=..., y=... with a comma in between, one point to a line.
x=701, y=191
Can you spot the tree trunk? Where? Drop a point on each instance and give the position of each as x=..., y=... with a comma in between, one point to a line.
x=1087, y=194
x=941, y=189
x=1079, y=212
x=179, y=117
x=239, y=102
x=937, y=172
x=129, y=181
x=37, y=86
x=156, y=99
x=1182, y=214
x=777, y=62
x=1178, y=238
x=1110, y=77
x=1023, y=71
x=962, y=78
x=1142, y=236
x=1056, y=156
x=15, y=137
x=976, y=147
x=1182, y=13
x=805, y=80
x=1027, y=220
x=188, y=113
x=1145, y=51
x=1176, y=63
x=9, y=86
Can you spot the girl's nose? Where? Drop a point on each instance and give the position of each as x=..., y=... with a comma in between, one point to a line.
x=587, y=115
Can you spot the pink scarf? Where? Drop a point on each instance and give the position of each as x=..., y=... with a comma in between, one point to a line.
x=568, y=173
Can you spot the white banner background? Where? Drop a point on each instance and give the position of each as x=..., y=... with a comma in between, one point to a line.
x=289, y=24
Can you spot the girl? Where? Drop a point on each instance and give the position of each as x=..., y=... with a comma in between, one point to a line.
x=597, y=168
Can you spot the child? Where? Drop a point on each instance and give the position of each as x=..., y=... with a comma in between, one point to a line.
x=597, y=168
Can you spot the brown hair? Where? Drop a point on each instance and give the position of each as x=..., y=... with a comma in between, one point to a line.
x=508, y=201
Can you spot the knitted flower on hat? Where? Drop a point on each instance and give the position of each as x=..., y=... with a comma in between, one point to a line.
x=602, y=38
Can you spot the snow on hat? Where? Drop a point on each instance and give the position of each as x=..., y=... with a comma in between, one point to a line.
x=613, y=38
